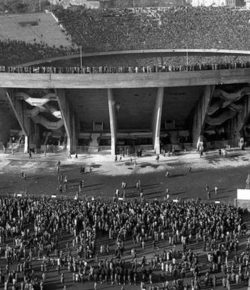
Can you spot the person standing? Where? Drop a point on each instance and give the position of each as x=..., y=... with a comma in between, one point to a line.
x=138, y=185
x=201, y=151
x=248, y=181
x=58, y=166
x=62, y=278
x=207, y=191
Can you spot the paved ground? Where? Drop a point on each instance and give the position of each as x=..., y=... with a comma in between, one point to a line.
x=227, y=173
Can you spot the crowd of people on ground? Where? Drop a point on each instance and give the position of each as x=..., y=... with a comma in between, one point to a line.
x=168, y=243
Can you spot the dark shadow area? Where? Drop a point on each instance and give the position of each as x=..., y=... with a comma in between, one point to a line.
x=147, y=164
x=172, y=175
x=96, y=165
x=177, y=193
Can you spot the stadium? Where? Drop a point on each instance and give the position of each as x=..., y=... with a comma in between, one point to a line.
x=124, y=135
x=138, y=87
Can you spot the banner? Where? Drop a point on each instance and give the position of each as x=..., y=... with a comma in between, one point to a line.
x=243, y=194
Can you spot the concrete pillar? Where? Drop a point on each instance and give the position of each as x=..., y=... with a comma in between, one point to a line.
x=19, y=109
x=68, y=119
x=73, y=129
x=200, y=113
x=112, y=120
x=157, y=120
x=37, y=136
x=5, y=125
x=26, y=144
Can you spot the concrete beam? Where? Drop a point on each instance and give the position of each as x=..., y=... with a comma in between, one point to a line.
x=68, y=117
x=19, y=109
x=200, y=113
x=124, y=80
x=112, y=120
x=157, y=120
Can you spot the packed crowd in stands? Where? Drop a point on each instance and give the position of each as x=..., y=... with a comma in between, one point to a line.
x=148, y=28
x=13, y=52
x=97, y=30
x=121, y=242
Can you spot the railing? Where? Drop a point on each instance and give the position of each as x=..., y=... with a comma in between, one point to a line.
x=82, y=149
x=120, y=148
x=50, y=149
x=86, y=149
x=104, y=148
x=127, y=149
x=14, y=147
x=121, y=69
x=217, y=144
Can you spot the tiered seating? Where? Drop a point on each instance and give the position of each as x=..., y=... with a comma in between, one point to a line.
x=15, y=52
x=185, y=27
x=148, y=28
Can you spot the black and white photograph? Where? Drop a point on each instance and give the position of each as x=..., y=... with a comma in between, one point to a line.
x=125, y=144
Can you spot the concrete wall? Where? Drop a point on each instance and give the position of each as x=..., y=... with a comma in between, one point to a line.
x=90, y=105
x=5, y=124
x=136, y=108
x=178, y=104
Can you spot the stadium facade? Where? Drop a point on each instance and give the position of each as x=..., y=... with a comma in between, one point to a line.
x=123, y=109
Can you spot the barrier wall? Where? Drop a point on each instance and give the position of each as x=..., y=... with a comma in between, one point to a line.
x=243, y=198
x=124, y=80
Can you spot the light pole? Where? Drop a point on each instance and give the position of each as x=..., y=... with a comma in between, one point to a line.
x=187, y=56
x=80, y=57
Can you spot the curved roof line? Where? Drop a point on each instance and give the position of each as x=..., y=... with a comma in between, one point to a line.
x=171, y=52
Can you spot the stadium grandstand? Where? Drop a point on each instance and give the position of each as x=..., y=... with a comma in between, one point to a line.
x=127, y=78
x=183, y=27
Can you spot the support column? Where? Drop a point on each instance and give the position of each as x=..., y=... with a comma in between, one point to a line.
x=37, y=136
x=20, y=112
x=26, y=144
x=157, y=120
x=5, y=120
x=200, y=113
x=73, y=129
x=68, y=117
x=112, y=120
